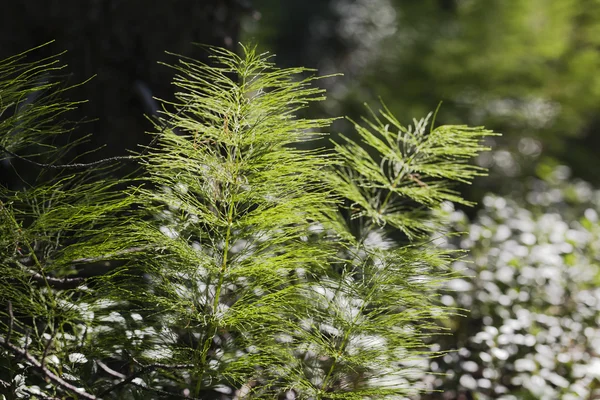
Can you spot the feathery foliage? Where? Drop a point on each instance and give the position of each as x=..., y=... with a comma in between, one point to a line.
x=236, y=264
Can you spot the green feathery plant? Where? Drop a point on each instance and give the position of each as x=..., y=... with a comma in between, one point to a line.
x=235, y=264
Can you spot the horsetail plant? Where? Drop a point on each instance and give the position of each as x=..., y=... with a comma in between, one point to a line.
x=238, y=262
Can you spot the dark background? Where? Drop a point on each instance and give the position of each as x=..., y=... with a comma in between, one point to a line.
x=119, y=44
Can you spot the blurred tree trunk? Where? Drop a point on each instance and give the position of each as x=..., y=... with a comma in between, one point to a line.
x=120, y=42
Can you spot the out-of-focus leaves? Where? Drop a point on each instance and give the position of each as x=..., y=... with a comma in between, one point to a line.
x=531, y=285
x=523, y=68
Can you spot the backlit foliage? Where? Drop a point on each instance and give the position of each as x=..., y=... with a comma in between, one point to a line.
x=233, y=264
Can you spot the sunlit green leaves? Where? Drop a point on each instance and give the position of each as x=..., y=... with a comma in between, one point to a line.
x=394, y=174
x=231, y=265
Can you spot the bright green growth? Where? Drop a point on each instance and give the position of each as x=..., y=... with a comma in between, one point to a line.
x=412, y=172
x=235, y=265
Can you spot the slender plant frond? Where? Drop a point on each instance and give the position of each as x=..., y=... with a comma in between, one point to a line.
x=231, y=201
x=50, y=230
x=395, y=174
x=239, y=263
x=379, y=300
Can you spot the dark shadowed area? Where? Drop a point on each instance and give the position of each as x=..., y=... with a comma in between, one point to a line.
x=120, y=45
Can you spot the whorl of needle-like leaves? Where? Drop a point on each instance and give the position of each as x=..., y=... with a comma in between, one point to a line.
x=232, y=267
x=234, y=202
x=50, y=231
x=376, y=303
x=395, y=175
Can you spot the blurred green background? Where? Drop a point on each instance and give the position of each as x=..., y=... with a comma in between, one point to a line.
x=525, y=68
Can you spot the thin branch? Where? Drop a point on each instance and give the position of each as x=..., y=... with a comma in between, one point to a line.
x=167, y=366
x=61, y=283
x=119, y=375
x=67, y=166
x=71, y=283
x=110, y=371
x=144, y=369
x=57, y=283
x=44, y=370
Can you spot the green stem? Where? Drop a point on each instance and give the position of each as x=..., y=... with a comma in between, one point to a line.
x=233, y=154
x=224, y=260
x=397, y=181
x=344, y=342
